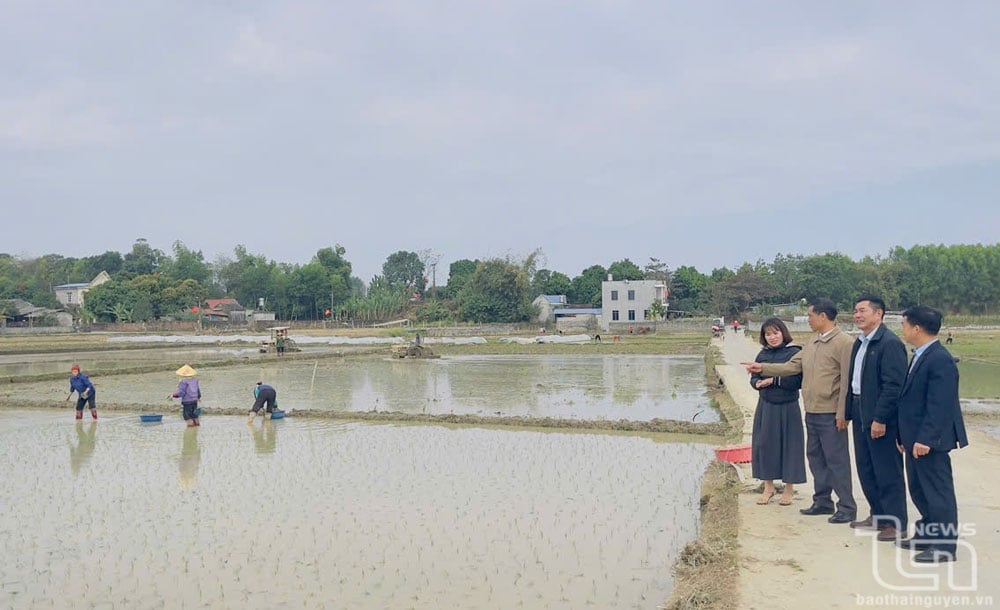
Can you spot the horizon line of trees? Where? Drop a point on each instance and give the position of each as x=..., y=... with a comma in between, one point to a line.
x=147, y=283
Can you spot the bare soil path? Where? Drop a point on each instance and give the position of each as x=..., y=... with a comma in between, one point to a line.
x=789, y=560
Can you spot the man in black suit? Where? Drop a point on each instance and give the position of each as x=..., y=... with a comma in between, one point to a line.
x=878, y=368
x=930, y=426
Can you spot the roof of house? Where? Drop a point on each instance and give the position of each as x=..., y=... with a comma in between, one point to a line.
x=72, y=286
x=555, y=299
x=218, y=303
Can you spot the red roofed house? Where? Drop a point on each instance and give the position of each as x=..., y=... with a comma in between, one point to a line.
x=224, y=310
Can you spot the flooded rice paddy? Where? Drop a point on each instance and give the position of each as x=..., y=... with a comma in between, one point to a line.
x=638, y=388
x=14, y=365
x=314, y=513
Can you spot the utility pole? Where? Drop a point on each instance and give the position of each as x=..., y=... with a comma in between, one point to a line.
x=430, y=260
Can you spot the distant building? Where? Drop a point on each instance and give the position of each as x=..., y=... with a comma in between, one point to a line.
x=26, y=314
x=72, y=294
x=628, y=301
x=224, y=310
x=577, y=318
x=547, y=304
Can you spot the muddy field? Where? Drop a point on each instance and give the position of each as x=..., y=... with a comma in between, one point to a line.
x=317, y=513
x=603, y=387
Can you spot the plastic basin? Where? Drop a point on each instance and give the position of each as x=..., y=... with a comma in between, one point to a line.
x=735, y=454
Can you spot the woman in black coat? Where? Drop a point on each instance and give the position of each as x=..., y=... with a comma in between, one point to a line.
x=778, y=445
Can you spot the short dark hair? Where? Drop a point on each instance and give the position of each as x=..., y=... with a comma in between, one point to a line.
x=925, y=317
x=824, y=306
x=876, y=302
x=786, y=337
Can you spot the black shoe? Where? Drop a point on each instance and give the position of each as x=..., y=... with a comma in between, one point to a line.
x=933, y=556
x=913, y=544
x=842, y=517
x=816, y=509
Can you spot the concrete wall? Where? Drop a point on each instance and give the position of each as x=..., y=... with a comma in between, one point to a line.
x=580, y=323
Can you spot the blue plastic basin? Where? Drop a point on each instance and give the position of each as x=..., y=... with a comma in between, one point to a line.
x=277, y=414
x=150, y=417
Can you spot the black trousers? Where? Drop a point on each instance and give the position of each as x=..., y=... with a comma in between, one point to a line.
x=268, y=396
x=880, y=470
x=932, y=488
x=190, y=410
x=81, y=401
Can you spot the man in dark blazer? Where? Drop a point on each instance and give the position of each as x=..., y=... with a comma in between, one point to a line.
x=930, y=426
x=878, y=368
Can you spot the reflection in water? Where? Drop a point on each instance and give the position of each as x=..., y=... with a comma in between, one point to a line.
x=84, y=449
x=364, y=516
x=190, y=458
x=637, y=388
x=265, y=438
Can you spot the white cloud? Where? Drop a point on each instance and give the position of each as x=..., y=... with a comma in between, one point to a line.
x=63, y=118
x=268, y=54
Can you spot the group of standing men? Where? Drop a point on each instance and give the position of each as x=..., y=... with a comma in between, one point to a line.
x=904, y=416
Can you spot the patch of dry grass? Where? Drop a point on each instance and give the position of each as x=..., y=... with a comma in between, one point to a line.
x=707, y=572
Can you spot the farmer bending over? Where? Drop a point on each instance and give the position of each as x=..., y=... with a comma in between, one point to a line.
x=263, y=394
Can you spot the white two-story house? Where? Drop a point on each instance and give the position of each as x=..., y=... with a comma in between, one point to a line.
x=628, y=301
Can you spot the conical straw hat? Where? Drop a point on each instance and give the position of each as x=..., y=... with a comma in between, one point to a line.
x=186, y=371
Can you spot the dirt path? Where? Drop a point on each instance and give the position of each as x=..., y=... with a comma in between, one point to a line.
x=790, y=560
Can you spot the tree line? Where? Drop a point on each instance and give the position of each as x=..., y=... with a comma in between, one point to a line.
x=147, y=283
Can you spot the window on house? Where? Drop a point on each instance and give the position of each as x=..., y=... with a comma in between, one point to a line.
x=69, y=297
x=614, y=295
x=631, y=295
x=631, y=314
x=614, y=314
x=645, y=314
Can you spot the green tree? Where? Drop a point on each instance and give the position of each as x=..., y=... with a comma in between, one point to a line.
x=656, y=269
x=550, y=282
x=112, y=301
x=187, y=265
x=148, y=304
x=832, y=275
x=7, y=308
x=625, y=270
x=405, y=271
x=496, y=292
x=785, y=277
x=459, y=273
x=88, y=267
x=250, y=277
x=182, y=296
x=688, y=289
x=735, y=294
x=586, y=287
x=310, y=288
x=657, y=309
x=142, y=260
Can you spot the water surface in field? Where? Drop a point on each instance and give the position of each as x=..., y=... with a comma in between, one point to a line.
x=60, y=362
x=637, y=388
x=979, y=379
x=315, y=513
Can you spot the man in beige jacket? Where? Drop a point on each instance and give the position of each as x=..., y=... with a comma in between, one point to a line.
x=824, y=364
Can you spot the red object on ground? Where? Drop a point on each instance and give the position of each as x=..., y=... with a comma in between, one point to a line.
x=735, y=454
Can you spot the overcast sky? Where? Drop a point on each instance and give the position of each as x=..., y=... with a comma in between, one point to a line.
x=700, y=133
